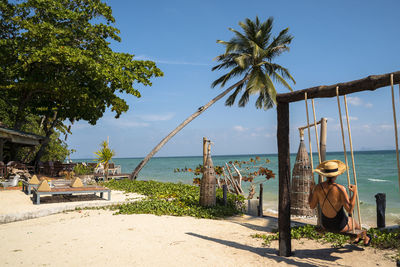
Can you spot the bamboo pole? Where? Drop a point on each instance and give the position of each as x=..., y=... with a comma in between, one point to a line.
x=352, y=160
x=395, y=128
x=316, y=132
x=322, y=147
x=344, y=148
x=309, y=136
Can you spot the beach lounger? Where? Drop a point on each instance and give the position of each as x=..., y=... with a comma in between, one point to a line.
x=11, y=183
x=70, y=190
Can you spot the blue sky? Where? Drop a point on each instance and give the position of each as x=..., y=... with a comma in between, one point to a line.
x=334, y=41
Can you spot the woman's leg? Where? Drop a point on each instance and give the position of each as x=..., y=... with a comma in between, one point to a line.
x=349, y=228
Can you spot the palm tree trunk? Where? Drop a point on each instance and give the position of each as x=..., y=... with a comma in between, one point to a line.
x=139, y=167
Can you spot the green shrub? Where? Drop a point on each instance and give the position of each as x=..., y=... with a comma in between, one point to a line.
x=382, y=239
x=81, y=169
x=174, y=199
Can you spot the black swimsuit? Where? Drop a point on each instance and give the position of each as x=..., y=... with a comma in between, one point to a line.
x=337, y=223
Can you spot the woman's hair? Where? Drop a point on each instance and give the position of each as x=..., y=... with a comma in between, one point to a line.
x=330, y=180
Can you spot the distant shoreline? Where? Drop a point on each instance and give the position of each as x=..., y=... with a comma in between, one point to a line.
x=250, y=155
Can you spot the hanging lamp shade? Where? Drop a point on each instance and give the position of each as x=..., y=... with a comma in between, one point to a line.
x=302, y=178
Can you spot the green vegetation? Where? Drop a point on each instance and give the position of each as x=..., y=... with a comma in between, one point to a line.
x=381, y=239
x=56, y=64
x=81, y=169
x=174, y=199
x=104, y=156
x=250, y=54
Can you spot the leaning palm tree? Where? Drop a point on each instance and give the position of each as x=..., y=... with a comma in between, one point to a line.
x=247, y=55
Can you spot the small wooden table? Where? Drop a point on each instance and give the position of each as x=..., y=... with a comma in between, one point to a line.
x=69, y=191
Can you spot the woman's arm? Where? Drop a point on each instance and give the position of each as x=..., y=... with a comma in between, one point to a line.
x=348, y=204
x=313, y=198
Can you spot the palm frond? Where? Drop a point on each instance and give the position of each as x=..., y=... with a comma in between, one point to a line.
x=231, y=99
x=252, y=50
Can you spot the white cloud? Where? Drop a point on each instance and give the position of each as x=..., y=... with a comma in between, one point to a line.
x=386, y=126
x=157, y=117
x=171, y=62
x=350, y=118
x=124, y=122
x=239, y=128
x=80, y=125
x=356, y=101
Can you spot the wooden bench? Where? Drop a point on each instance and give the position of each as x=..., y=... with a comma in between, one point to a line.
x=27, y=187
x=69, y=191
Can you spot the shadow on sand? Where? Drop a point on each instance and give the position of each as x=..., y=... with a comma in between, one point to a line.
x=307, y=257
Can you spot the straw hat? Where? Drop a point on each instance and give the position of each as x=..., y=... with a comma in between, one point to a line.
x=331, y=168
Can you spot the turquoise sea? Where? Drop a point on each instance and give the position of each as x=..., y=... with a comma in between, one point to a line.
x=376, y=173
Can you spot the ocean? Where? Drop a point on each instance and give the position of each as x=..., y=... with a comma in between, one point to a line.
x=376, y=173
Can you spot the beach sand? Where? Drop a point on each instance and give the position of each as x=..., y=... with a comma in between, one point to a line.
x=97, y=237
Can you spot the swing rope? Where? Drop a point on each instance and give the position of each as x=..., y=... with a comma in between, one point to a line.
x=352, y=160
x=395, y=128
x=316, y=132
x=344, y=148
x=309, y=135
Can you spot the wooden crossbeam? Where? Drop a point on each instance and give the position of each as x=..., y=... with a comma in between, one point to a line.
x=369, y=83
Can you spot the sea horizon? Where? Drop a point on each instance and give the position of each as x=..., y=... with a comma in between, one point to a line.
x=250, y=154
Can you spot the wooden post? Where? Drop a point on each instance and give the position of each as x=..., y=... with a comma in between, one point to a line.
x=204, y=151
x=380, y=210
x=285, y=246
x=1, y=149
x=322, y=147
x=260, y=202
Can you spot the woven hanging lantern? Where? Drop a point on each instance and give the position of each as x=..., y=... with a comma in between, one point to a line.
x=302, y=178
x=208, y=184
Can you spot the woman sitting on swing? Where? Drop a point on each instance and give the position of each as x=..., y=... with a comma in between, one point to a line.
x=332, y=198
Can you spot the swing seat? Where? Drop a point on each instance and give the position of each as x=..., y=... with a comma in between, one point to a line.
x=357, y=232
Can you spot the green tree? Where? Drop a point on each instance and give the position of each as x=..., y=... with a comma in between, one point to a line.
x=104, y=156
x=248, y=55
x=56, y=63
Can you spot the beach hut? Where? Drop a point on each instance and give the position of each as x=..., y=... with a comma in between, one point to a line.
x=11, y=137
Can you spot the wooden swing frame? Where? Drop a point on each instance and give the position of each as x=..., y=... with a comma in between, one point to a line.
x=369, y=83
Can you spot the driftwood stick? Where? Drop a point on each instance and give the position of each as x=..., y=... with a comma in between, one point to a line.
x=240, y=178
x=232, y=180
x=218, y=183
x=369, y=83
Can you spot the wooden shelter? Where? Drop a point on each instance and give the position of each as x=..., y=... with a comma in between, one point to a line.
x=10, y=137
x=369, y=83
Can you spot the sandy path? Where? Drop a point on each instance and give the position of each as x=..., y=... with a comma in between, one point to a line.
x=97, y=237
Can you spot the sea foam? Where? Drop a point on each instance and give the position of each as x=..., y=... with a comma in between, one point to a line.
x=377, y=180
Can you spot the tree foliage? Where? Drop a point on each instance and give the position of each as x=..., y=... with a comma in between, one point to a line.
x=56, y=62
x=250, y=55
x=104, y=156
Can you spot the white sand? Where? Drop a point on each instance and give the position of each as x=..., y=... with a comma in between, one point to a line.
x=98, y=238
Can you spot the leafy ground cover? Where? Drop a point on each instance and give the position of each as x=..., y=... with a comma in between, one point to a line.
x=382, y=239
x=174, y=199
